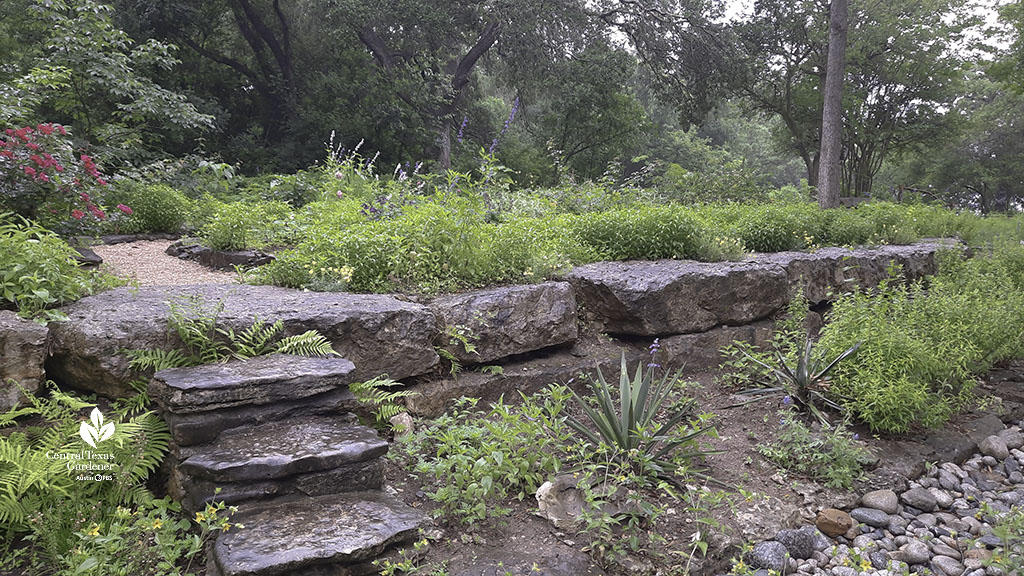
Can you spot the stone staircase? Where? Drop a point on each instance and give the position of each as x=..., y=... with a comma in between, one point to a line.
x=274, y=436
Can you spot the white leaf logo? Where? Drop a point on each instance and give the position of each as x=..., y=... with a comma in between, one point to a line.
x=96, y=432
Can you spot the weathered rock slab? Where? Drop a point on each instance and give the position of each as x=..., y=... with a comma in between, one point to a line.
x=526, y=376
x=291, y=537
x=667, y=297
x=509, y=320
x=200, y=427
x=701, y=351
x=281, y=449
x=260, y=380
x=22, y=355
x=195, y=493
x=378, y=333
x=828, y=272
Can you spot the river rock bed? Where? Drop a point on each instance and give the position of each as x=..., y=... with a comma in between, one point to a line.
x=935, y=526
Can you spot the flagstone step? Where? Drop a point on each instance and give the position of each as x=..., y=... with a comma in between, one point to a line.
x=336, y=534
x=311, y=456
x=256, y=381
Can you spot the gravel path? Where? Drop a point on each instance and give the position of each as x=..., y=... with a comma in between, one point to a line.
x=146, y=263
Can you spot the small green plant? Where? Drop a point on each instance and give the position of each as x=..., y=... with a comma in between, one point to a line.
x=806, y=384
x=171, y=544
x=408, y=561
x=456, y=336
x=633, y=426
x=493, y=370
x=476, y=459
x=378, y=396
x=831, y=455
x=1009, y=554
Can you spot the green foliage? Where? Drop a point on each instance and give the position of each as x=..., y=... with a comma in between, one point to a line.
x=204, y=342
x=634, y=429
x=780, y=227
x=38, y=270
x=155, y=207
x=923, y=343
x=31, y=482
x=806, y=384
x=830, y=454
x=87, y=69
x=379, y=396
x=249, y=225
x=478, y=459
x=644, y=232
x=1008, y=556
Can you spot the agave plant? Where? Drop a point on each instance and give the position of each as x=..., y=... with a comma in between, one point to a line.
x=633, y=425
x=805, y=385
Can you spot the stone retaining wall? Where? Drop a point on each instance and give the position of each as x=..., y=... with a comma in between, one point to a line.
x=536, y=333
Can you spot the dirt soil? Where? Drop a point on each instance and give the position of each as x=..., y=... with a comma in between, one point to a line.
x=772, y=499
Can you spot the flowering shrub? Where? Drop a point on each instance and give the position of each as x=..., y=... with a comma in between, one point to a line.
x=41, y=179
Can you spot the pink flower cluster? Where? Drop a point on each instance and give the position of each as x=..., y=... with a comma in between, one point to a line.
x=30, y=159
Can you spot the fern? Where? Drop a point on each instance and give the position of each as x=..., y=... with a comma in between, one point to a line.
x=376, y=394
x=150, y=361
x=256, y=340
x=31, y=482
x=309, y=343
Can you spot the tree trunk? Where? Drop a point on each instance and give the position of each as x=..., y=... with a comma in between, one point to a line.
x=830, y=169
x=444, y=158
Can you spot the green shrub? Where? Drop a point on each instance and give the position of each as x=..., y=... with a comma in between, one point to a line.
x=642, y=232
x=780, y=227
x=923, y=344
x=297, y=190
x=38, y=270
x=155, y=207
x=250, y=225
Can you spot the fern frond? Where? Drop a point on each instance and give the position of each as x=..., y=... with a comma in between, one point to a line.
x=376, y=394
x=254, y=340
x=151, y=361
x=309, y=343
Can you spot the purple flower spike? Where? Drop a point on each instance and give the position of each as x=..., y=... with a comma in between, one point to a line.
x=787, y=400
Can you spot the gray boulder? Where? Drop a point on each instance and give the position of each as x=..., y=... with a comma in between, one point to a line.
x=22, y=354
x=827, y=272
x=667, y=297
x=870, y=516
x=701, y=351
x=769, y=555
x=508, y=320
x=261, y=380
x=299, y=536
x=377, y=333
x=884, y=500
x=919, y=498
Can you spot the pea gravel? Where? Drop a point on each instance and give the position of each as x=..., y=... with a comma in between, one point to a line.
x=146, y=262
